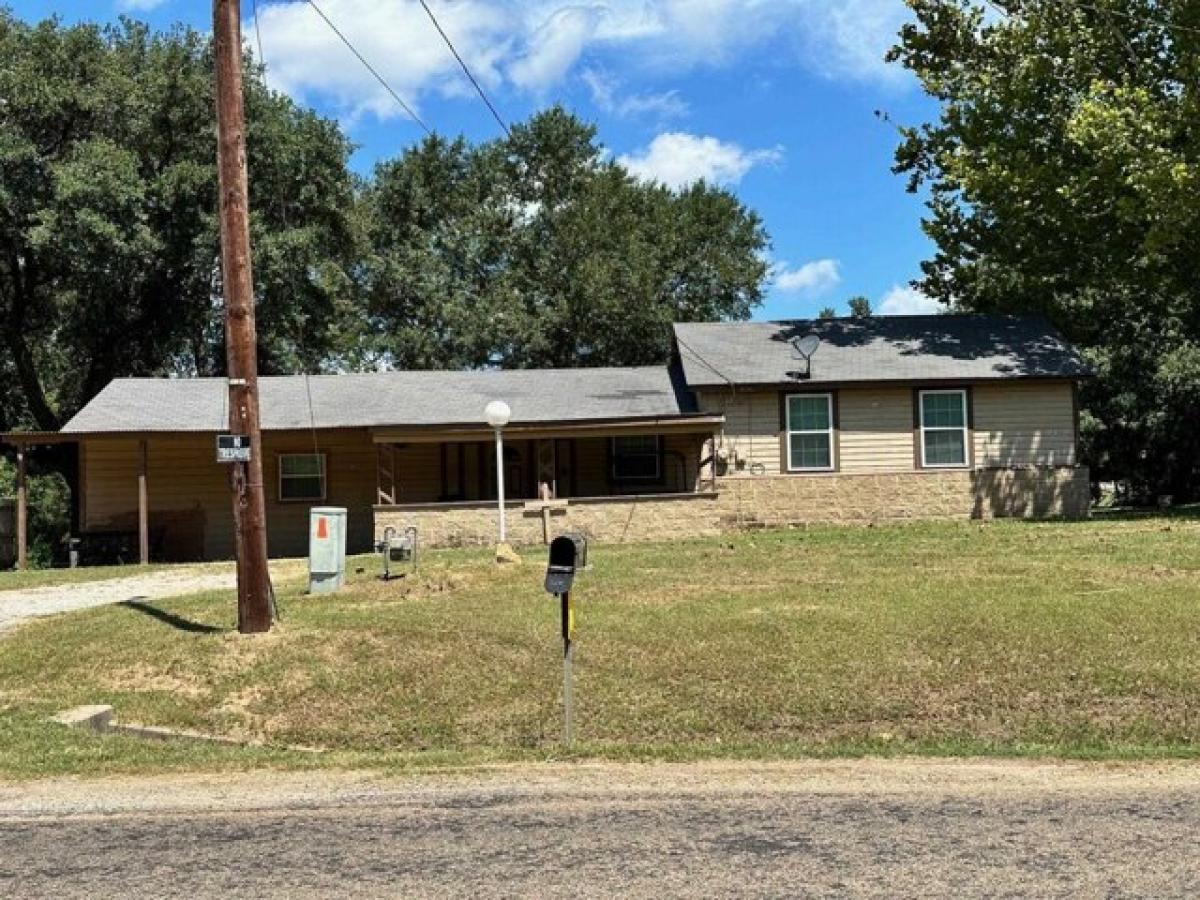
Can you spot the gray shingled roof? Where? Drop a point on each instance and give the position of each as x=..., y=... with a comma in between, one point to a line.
x=878, y=348
x=387, y=399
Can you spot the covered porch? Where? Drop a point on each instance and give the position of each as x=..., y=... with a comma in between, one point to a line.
x=130, y=544
x=569, y=476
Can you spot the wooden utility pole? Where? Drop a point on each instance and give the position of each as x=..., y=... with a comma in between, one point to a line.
x=249, y=505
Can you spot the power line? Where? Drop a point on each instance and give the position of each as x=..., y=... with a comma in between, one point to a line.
x=387, y=87
x=704, y=362
x=478, y=88
x=262, y=60
x=287, y=228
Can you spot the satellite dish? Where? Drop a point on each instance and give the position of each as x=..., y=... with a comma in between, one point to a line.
x=805, y=347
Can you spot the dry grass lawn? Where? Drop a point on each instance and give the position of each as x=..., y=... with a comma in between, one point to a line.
x=1079, y=639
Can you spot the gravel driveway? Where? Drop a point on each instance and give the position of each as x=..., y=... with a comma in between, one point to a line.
x=868, y=828
x=18, y=606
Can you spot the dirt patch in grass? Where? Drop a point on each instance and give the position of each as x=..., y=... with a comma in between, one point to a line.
x=143, y=677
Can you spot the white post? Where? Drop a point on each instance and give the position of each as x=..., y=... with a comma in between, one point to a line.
x=497, y=414
x=500, y=483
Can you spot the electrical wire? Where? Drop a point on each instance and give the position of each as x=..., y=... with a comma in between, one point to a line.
x=733, y=396
x=262, y=60
x=478, y=87
x=362, y=59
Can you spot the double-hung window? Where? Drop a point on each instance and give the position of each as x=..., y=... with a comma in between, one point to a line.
x=302, y=476
x=943, y=429
x=809, y=432
x=637, y=458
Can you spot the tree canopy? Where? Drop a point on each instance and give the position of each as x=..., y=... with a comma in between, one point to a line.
x=534, y=250
x=859, y=306
x=1062, y=177
x=108, y=234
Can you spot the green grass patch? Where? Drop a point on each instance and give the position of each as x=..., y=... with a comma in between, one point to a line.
x=1009, y=638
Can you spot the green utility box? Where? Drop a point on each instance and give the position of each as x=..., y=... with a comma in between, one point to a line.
x=326, y=549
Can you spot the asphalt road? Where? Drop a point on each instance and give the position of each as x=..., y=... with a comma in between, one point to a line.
x=896, y=829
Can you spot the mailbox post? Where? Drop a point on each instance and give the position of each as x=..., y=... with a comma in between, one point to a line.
x=560, y=575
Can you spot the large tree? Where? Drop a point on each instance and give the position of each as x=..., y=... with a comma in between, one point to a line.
x=1063, y=177
x=537, y=250
x=108, y=235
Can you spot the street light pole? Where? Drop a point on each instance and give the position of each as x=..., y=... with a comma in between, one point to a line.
x=497, y=414
x=500, y=482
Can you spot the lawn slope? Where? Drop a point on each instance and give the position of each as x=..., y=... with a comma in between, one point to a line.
x=1075, y=639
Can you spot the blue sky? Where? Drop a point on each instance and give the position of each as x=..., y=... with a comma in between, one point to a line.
x=776, y=99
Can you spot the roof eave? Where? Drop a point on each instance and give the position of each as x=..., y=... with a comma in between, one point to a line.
x=866, y=382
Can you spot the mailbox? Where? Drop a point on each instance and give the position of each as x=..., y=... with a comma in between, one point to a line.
x=560, y=573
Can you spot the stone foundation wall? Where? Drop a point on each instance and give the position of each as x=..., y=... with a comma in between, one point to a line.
x=1042, y=493
x=610, y=520
x=766, y=501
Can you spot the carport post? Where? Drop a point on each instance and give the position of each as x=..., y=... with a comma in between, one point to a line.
x=22, y=511
x=143, y=507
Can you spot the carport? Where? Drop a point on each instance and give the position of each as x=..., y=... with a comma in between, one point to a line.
x=26, y=441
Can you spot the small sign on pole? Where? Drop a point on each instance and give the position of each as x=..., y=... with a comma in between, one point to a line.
x=233, y=448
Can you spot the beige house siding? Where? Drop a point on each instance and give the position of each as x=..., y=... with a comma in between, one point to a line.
x=876, y=430
x=1031, y=424
x=190, y=506
x=1016, y=424
x=751, y=435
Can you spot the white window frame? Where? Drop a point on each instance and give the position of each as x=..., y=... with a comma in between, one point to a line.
x=965, y=429
x=280, y=479
x=658, y=452
x=829, y=432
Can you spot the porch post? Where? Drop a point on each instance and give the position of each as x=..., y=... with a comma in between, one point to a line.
x=22, y=511
x=143, y=507
x=712, y=462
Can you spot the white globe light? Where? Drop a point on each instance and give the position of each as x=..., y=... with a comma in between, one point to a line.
x=497, y=413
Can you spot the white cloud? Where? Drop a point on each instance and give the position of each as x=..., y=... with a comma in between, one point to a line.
x=139, y=5
x=604, y=89
x=677, y=159
x=850, y=38
x=534, y=46
x=813, y=278
x=554, y=47
x=307, y=60
x=902, y=300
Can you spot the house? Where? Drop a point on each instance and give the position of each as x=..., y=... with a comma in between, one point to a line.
x=906, y=417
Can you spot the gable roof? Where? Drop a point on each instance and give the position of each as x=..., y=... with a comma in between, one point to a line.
x=877, y=348
x=388, y=399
